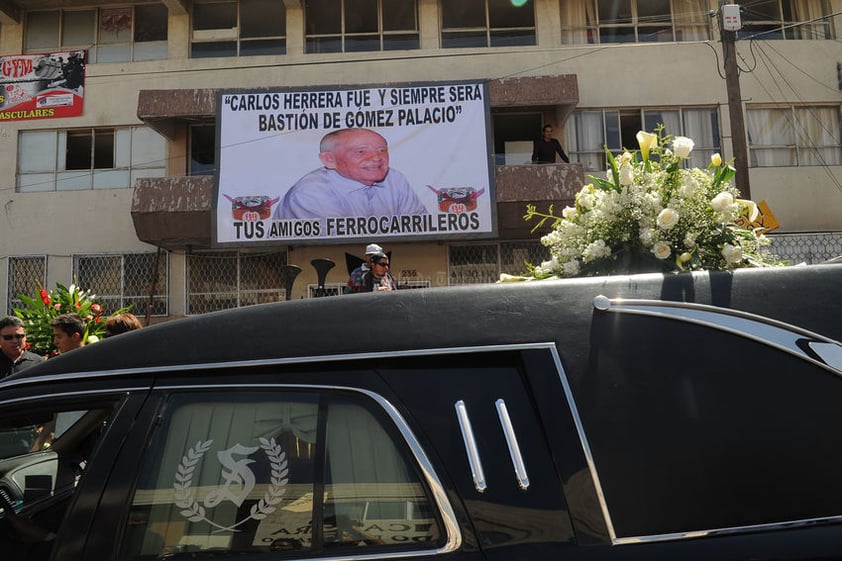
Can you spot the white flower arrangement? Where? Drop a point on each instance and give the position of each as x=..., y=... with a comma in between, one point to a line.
x=651, y=210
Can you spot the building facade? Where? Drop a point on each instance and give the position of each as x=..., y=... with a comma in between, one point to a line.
x=120, y=198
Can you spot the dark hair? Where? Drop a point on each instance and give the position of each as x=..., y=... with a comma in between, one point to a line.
x=70, y=324
x=11, y=321
x=121, y=323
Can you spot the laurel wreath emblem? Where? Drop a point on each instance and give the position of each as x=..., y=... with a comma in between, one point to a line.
x=192, y=509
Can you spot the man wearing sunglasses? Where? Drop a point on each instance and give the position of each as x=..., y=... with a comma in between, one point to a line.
x=378, y=277
x=14, y=357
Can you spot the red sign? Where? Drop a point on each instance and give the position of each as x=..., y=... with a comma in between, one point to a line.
x=44, y=86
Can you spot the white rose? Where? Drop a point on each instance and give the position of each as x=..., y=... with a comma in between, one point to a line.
x=682, y=146
x=571, y=268
x=733, y=254
x=661, y=250
x=722, y=202
x=569, y=212
x=667, y=218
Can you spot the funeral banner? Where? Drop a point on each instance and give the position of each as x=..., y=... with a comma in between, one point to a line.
x=45, y=86
x=313, y=165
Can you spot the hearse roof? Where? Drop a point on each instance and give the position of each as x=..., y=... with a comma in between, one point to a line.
x=465, y=316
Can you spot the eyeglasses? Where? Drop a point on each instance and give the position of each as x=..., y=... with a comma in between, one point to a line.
x=17, y=336
x=382, y=263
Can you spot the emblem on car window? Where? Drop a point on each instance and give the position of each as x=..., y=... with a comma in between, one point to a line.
x=239, y=482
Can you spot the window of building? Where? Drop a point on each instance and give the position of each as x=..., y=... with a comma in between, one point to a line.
x=786, y=19
x=229, y=279
x=794, y=136
x=202, y=149
x=593, y=130
x=123, y=280
x=482, y=263
x=242, y=28
x=336, y=26
x=26, y=275
x=128, y=33
x=102, y=158
x=487, y=23
x=315, y=473
x=635, y=21
x=701, y=411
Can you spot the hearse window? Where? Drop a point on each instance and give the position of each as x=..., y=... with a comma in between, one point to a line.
x=695, y=429
x=44, y=452
x=274, y=472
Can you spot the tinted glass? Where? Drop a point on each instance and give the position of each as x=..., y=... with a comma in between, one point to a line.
x=262, y=18
x=322, y=17
x=150, y=22
x=252, y=472
x=743, y=432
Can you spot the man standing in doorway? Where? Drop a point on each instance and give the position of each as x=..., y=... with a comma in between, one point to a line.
x=545, y=148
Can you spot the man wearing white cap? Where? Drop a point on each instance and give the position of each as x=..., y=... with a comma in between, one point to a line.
x=355, y=278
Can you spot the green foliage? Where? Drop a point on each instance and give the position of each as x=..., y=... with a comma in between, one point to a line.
x=39, y=311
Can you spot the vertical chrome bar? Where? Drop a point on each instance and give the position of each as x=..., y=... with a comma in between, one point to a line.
x=470, y=446
x=511, y=440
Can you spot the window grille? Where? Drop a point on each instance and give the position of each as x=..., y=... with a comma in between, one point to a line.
x=329, y=289
x=806, y=248
x=483, y=263
x=125, y=280
x=26, y=274
x=228, y=279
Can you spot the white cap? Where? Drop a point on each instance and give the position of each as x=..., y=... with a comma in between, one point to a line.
x=373, y=248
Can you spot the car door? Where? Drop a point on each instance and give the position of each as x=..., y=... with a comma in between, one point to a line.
x=58, y=443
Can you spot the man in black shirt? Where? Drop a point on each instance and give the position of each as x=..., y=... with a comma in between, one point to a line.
x=13, y=354
x=545, y=148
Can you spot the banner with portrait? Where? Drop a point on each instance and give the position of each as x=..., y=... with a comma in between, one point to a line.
x=43, y=86
x=315, y=165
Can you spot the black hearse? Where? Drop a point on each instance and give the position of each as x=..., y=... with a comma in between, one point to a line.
x=691, y=416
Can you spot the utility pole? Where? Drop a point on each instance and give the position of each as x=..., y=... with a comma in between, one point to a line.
x=729, y=24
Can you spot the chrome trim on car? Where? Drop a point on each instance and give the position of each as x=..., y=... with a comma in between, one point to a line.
x=780, y=335
x=477, y=473
x=511, y=441
x=583, y=440
x=173, y=368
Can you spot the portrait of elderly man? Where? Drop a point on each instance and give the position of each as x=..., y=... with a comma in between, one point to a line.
x=356, y=180
x=14, y=356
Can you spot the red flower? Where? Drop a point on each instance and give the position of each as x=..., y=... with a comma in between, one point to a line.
x=96, y=308
x=45, y=297
x=78, y=304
